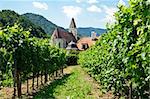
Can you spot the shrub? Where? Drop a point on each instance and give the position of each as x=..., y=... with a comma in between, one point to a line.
x=120, y=58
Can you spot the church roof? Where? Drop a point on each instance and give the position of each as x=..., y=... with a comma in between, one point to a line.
x=72, y=24
x=60, y=33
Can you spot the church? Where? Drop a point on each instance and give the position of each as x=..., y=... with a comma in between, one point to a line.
x=69, y=39
x=65, y=39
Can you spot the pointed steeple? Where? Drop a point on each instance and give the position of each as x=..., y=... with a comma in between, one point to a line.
x=72, y=24
x=73, y=28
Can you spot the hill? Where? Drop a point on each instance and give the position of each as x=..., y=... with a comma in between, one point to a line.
x=49, y=27
x=39, y=20
x=9, y=18
x=87, y=31
x=38, y=25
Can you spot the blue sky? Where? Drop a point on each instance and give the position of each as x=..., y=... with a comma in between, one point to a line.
x=87, y=13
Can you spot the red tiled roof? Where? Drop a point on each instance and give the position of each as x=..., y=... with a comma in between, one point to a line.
x=85, y=40
x=60, y=33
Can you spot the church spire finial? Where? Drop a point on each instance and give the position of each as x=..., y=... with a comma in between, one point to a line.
x=72, y=24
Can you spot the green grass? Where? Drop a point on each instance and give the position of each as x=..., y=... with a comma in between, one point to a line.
x=73, y=86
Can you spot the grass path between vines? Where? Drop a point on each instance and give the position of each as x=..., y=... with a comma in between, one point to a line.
x=76, y=84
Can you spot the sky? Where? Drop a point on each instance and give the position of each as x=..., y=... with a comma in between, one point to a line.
x=87, y=13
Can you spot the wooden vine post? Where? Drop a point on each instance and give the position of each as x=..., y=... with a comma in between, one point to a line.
x=37, y=79
x=149, y=88
x=62, y=71
x=17, y=78
x=27, y=86
x=14, y=73
x=18, y=83
x=37, y=74
x=33, y=80
x=130, y=91
x=41, y=78
x=45, y=74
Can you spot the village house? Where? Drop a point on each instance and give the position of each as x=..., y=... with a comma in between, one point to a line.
x=86, y=42
x=69, y=39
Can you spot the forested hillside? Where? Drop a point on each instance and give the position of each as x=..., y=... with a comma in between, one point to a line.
x=9, y=18
x=49, y=27
x=45, y=24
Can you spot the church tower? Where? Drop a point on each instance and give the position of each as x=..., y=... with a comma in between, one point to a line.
x=73, y=28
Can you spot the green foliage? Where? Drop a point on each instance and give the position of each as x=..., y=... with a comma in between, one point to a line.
x=9, y=18
x=27, y=54
x=120, y=58
x=39, y=20
x=72, y=57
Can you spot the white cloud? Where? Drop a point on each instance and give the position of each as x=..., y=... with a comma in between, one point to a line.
x=87, y=1
x=92, y=1
x=121, y=2
x=40, y=5
x=94, y=8
x=109, y=18
x=72, y=11
x=79, y=1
